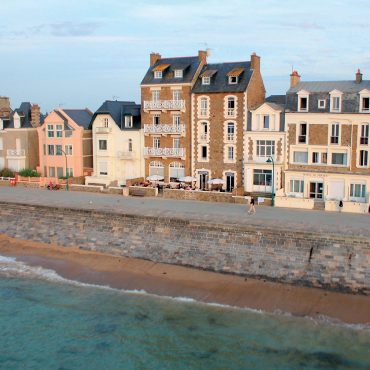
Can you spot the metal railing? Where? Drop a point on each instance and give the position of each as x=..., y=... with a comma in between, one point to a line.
x=164, y=129
x=164, y=152
x=15, y=152
x=164, y=104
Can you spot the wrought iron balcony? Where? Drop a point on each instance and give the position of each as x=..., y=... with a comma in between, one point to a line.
x=164, y=104
x=164, y=129
x=15, y=152
x=165, y=152
x=103, y=130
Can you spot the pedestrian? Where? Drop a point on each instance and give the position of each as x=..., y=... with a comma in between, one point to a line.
x=252, y=208
x=340, y=205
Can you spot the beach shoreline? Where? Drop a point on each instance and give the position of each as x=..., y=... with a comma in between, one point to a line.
x=177, y=281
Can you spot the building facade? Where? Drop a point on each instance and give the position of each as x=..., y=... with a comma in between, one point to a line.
x=166, y=114
x=265, y=147
x=118, y=143
x=65, y=143
x=222, y=95
x=18, y=135
x=328, y=144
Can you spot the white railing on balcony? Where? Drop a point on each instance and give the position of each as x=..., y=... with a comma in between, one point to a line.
x=231, y=112
x=125, y=154
x=164, y=152
x=164, y=129
x=230, y=137
x=103, y=130
x=164, y=104
x=15, y=152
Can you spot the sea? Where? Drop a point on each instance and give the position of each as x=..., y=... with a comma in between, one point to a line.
x=48, y=322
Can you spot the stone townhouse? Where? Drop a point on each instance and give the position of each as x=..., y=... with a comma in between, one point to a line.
x=222, y=95
x=166, y=114
x=118, y=143
x=265, y=147
x=328, y=144
x=18, y=135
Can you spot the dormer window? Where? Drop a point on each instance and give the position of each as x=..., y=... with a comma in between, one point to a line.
x=233, y=80
x=157, y=74
x=365, y=101
x=303, y=101
x=321, y=104
x=178, y=73
x=335, y=101
x=128, y=121
x=266, y=122
x=206, y=80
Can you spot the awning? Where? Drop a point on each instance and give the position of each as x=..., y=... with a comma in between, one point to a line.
x=235, y=72
x=160, y=67
x=209, y=73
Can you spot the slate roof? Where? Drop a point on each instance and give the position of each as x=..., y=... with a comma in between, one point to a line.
x=188, y=65
x=220, y=80
x=24, y=112
x=118, y=110
x=81, y=116
x=277, y=99
x=327, y=86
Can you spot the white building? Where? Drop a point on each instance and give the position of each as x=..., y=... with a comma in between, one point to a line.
x=117, y=144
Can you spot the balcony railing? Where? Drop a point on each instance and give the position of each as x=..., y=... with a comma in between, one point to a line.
x=103, y=130
x=125, y=154
x=164, y=104
x=164, y=129
x=165, y=152
x=231, y=112
x=15, y=152
x=230, y=137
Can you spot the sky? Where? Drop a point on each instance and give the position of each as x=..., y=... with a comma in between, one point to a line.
x=79, y=53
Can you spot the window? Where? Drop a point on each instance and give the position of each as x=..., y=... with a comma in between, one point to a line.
x=303, y=104
x=230, y=106
x=130, y=145
x=51, y=171
x=364, y=137
x=357, y=191
x=156, y=168
x=300, y=157
x=128, y=121
x=156, y=119
x=178, y=73
x=176, y=95
x=265, y=148
x=59, y=131
x=176, y=120
x=204, y=152
x=69, y=172
x=262, y=177
x=204, y=135
x=233, y=80
x=339, y=159
x=177, y=170
x=321, y=104
x=50, y=149
x=103, y=145
x=176, y=143
x=157, y=74
x=230, y=131
x=230, y=153
x=334, y=139
x=106, y=122
x=364, y=158
x=297, y=186
x=156, y=95
x=58, y=150
x=156, y=142
x=203, y=106
x=335, y=104
x=302, y=135
x=206, y=80
x=266, y=122
x=50, y=131
x=366, y=104
x=315, y=157
x=103, y=168
x=324, y=158
x=68, y=149
x=59, y=172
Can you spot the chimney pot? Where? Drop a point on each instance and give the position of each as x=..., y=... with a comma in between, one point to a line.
x=295, y=79
x=255, y=61
x=154, y=57
x=358, y=76
x=35, y=115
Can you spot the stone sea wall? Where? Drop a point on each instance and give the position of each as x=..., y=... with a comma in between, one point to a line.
x=332, y=262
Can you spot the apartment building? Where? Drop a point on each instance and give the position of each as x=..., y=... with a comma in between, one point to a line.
x=18, y=135
x=328, y=144
x=118, y=143
x=265, y=147
x=65, y=143
x=221, y=97
x=166, y=114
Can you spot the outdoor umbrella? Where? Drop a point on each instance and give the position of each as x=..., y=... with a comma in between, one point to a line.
x=187, y=179
x=216, y=182
x=155, y=178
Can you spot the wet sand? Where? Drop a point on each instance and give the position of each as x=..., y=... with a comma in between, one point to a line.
x=177, y=281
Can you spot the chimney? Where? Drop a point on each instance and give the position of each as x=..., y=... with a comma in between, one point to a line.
x=202, y=55
x=4, y=103
x=295, y=79
x=255, y=62
x=35, y=115
x=154, y=57
x=358, y=76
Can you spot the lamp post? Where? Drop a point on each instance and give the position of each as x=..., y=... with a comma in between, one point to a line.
x=65, y=155
x=271, y=160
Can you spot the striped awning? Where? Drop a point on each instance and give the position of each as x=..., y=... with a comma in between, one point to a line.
x=235, y=72
x=160, y=67
x=209, y=73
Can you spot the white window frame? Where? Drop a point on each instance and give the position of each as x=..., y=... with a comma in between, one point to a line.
x=59, y=130
x=156, y=95
x=50, y=130
x=364, y=131
x=231, y=110
x=156, y=142
x=203, y=107
x=158, y=75
x=301, y=95
x=233, y=80
x=177, y=95
x=352, y=190
x=292, y=189
x=299, y=151
x=68, y=149
x=264, y=116
x=321, y=104
x=176, y=143
x=363, y=95
x=362, y=155
x=155, y=116
x=206, y=80
x=106, y=122
x=230, y=153
x=299, y=133
x=176, y=120
x=128, y=121
x=335, y=94
x=345, y=155
x=178, y=73
x=100, y=146
x=336, y=134
x=230, y=131
x=266, y=146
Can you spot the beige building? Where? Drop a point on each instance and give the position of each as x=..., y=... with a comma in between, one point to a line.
x=327, y=145
x=18, y=135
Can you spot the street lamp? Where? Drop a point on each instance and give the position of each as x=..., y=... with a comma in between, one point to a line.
x=65, y=155
x=271, y=160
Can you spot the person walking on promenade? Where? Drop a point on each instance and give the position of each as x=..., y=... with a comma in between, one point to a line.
x=252, y=208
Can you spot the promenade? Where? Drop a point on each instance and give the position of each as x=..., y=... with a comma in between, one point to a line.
x=221, y=213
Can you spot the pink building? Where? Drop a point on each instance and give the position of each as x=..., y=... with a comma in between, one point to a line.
x=65, y=134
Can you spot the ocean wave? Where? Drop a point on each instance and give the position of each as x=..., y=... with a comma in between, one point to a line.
x=10, y=267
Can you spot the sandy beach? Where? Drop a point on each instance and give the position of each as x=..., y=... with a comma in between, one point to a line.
x=178, y=281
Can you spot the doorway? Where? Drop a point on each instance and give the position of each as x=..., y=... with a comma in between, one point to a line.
x=203, y=180
x=316, y=190
x=230, y=182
